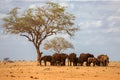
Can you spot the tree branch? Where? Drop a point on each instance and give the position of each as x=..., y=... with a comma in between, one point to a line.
x=27, y=37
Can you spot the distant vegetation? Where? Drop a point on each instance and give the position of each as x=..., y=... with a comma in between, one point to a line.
x=7, y=59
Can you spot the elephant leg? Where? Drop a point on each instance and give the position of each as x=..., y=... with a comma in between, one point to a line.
x=102, y=63
x=70, y=63
x=99, y=63
x=52, y=62
x=81, y=63
x=58, y=63
x=74, y=64
x=40, y=62
x=93, y=63
x=105, y=63
x=64, y=63
x=45, y=63
x=87, y=64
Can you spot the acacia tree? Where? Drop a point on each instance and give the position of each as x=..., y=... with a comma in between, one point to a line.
x=38, y=23
x=57, y=44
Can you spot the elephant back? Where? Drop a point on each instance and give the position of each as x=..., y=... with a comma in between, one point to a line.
x=85, y=56
x=103, y=57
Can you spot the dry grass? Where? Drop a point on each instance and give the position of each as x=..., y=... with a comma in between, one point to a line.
x=30, y=71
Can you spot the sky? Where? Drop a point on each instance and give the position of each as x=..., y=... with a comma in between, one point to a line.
x=99, y=22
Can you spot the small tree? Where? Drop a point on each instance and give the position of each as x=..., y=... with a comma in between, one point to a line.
x=6, y=59
x=39, y=23
x=57, y=44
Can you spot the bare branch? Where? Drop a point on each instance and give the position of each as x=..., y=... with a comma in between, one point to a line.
x=27, y=37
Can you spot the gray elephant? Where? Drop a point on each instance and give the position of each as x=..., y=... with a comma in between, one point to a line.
x=103, y=60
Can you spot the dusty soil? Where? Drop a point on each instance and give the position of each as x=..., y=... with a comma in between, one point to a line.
x=30, y=71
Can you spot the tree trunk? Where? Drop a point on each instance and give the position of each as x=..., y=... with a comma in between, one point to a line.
x=39, y=54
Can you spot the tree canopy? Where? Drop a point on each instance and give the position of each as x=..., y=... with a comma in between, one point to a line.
x=36, y=24
x=57, y=44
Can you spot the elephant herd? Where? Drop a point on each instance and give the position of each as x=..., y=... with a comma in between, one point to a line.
x=60, y=59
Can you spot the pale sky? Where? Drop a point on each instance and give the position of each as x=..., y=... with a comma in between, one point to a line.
x=99, y=22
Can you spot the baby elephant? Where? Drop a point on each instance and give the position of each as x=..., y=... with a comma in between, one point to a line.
x=91, y=60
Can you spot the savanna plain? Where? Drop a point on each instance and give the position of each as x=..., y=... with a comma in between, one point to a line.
x=24, y=70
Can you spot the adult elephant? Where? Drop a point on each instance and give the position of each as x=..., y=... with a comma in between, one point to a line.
x=103, y=60
x=56, y=59
x=72, y=58
x=83, y=58
x=92, y=60
x=46, y=58
x=63, y=58
x=59, y=59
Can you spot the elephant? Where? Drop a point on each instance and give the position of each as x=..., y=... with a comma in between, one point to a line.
x=83, y=58
x=63, y=58
x=92, y=60
x=59, y=59
x=56, y=59
x=103, y=60
x=72, y=58
x=46, y=58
